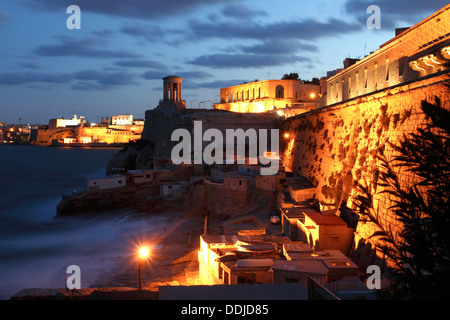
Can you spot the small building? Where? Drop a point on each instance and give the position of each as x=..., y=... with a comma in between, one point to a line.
x=270, y=182
x=331, y=265
x=269, y=95
x=289, y=217
x=235, y=259
x=162, y=163
x=218, y=174
x=300, y=189
x=110, y=182
x=171, y=189
x=324, y=232
x=294, y=249
x=122, y=120
x=237, y=182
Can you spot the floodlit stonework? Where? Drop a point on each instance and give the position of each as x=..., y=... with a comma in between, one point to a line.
x=289, y=96
x=419, y=51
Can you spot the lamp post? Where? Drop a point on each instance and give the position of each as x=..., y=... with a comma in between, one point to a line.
x=142, y=254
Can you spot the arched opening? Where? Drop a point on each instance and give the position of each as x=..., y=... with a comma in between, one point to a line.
x=279, y=92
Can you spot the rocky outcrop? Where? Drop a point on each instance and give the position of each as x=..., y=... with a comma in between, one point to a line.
x=134, y=155
x=143, y=198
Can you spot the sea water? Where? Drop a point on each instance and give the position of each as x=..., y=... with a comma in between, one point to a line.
x=35, y=247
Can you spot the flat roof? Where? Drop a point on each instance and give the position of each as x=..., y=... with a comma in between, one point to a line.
x=232, y=239
x=319, y=255
x=302, y=266
x=321, y=219
x=297, y=247
x=297, y=212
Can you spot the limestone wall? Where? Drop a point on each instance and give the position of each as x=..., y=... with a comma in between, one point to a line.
x=335, y=147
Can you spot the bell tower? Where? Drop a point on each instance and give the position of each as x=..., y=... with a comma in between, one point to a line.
x=172, y=97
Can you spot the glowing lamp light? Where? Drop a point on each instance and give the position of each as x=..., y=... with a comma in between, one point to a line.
x=144, y=253
x=286, y=135
x=312, y=95
x=280, y=113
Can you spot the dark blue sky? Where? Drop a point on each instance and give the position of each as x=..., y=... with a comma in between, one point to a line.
x=115, y=62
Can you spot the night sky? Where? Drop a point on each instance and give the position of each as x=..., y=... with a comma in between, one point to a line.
x=114, y=64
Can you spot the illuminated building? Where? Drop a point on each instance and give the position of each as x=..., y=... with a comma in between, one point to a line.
x=289, y=97
x=414, y=53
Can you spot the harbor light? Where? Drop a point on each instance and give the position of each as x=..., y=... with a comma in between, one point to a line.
x=143, y=254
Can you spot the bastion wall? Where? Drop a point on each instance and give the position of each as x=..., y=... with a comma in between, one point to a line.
x=335, y=147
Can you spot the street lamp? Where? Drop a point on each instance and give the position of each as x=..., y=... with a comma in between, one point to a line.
x=142, y=254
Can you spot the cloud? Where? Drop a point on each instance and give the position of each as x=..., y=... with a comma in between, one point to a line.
x=98, y=80
x=93, y=47
x=278, y=46
x=4, y=18
x=241, y=11
x=194, y=74
x=89, y=86
x=155, y=33
x=155, y=9
x=141, y=63
x=308, y=29
x=30, y=64
x=21, y=78
x=212, y=84
x=159, y=74
x=154, y=75
x=395, y=13
x=244, y=61
x=105, y=78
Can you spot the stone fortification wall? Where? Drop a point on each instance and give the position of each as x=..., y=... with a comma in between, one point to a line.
x=335, y=147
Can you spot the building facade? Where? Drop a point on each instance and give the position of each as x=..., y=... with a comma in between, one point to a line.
x=420, y=51
x=291, y=96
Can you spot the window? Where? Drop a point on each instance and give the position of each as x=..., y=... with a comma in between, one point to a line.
x=279, y=92
x=401, y=66
x=365, y=78
x=387, y=69
x=350, y=84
